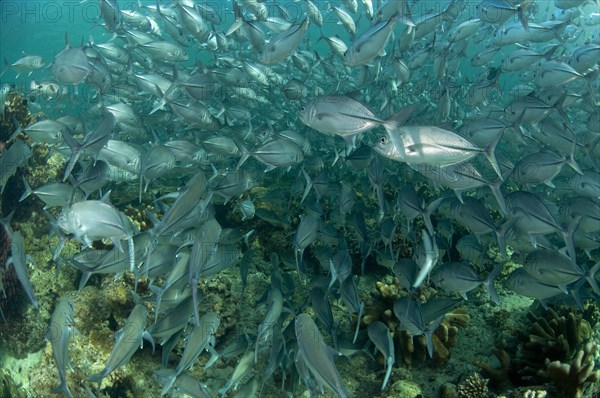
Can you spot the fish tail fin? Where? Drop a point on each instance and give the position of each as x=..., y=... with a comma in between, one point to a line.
x=309, y=184
x=501, y=239
x=431, y=257
x=589, y=151
x=567, y=234
x=163, y=97
x=131, y=253
x=337, y=156
x=18, y=129
x=400, y=117
x=141, y=184
x=27, y=192
x=171, y=376
x=573, y=164
x=591, y=278
x=522, y=14
x=98, y=377
x=358, y=321
x=194, y=285
x=158, y=292
x=571, y=158
x=429, y=335
x=5, y=68
x=490, y=155
x=489, y=283
x=245, y=154
x=64, y=389
x=76, y=149
x=85, y=276
x=559, y=108
x=428, y=212
x=497, y=192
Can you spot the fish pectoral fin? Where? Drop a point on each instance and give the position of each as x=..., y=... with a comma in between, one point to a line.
x=148, y=337
x=367, y=118
x=323, y=115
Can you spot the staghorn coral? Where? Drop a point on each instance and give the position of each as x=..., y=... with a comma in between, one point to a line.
x=474, y=387
x=571, y=378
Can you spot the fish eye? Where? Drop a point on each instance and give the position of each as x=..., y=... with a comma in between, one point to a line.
x=383, y=140
x=345, y=53
x=302, y=109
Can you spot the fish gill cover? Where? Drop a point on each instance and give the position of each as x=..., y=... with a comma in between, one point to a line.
x=299, y=198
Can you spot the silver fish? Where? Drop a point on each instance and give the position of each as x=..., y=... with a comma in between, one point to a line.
x=461, y=278
x=316, y=356
x=339, y=115
x=430, y=145
x=370, y=44
x=19, y=260
x=16, y=154
x=91, y=220
x=553, y=268
x=284, y=44
x=26, y=64
x=59, y=335
x=380, y=336
x=201, y=338
x=128, y=340
x=71, y=65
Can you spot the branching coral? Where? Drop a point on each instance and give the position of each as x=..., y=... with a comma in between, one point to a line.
x=552, y=337
x=571, y=378
x=548, y=352
x=498, y=375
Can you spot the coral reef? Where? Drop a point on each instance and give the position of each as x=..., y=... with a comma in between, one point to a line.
x=554, y=336
x=571, y=378
x=15, y=107
x=444, y=338
x=474, y=387
x=414, y=348
x=547, y=351
x=138, y=216
x=9, y=285
x=535, y=394
x=8, y=387
x=499, y=376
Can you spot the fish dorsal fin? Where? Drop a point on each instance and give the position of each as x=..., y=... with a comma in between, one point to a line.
x=355, y=95
x=67, y=42
x=106, y=198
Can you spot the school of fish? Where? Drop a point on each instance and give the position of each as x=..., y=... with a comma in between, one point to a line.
x=460, y=128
